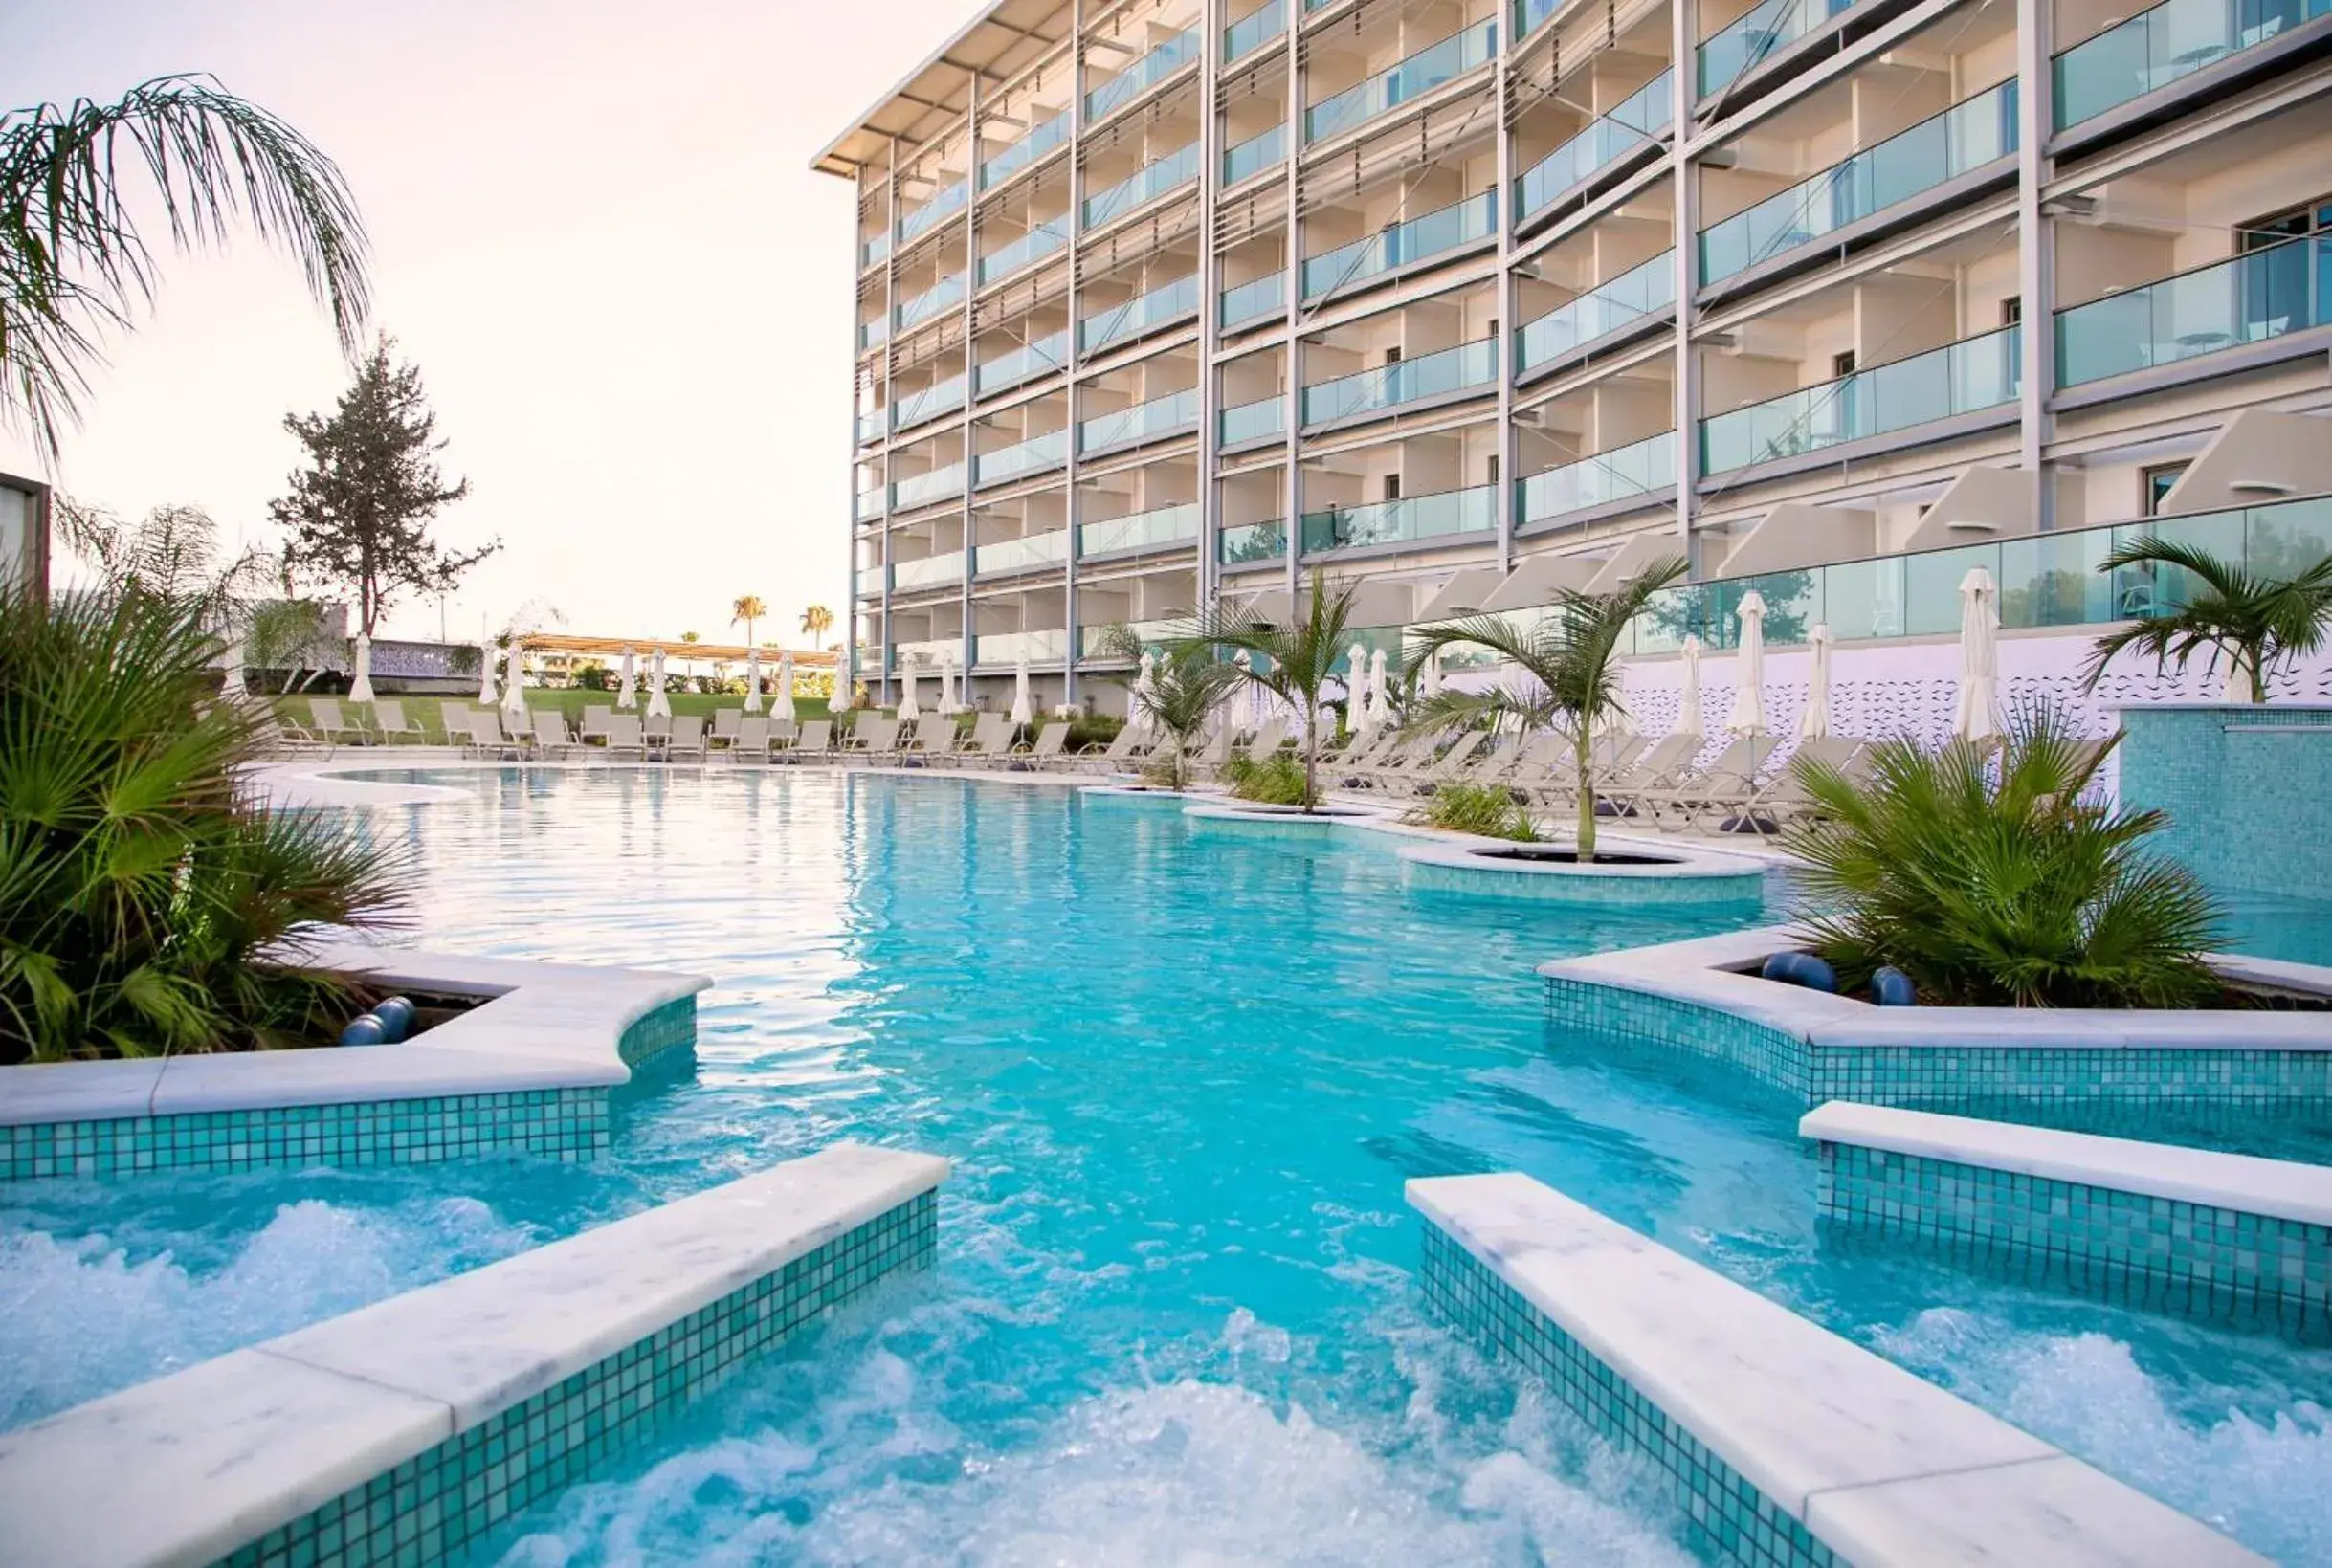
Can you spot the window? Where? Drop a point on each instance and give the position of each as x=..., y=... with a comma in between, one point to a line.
x=2293, y=223
x=2158, y=481
x=2012, y=310
x=1842, y=365
x=1393, y=355
x=1393, y=487
x=1493, y=332
x=1492, y=468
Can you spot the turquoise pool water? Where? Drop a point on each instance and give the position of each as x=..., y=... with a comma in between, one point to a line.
x=1183, y=1076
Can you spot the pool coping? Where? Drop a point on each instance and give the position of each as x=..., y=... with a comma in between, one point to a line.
x=207, y=1462
x=542, y=1026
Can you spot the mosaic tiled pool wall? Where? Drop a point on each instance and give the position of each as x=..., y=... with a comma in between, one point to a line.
x=657, y=1030
x=2196, y=1258
x=2222, y=775
x=442, y=1501
x=1727, y=1518
x=2084, y=1086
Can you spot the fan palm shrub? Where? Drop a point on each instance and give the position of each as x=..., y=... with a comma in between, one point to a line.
x=148, y=905
x=1992, y=882
x=2255, y=622
x=1569, y=664
x=1295, y=663
x=1186, y=688
x=1484, y=810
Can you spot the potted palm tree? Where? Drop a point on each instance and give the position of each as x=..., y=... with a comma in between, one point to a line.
x=2255, y=622
x=1569, y=662
x=1184, y=689
x=1295, y=663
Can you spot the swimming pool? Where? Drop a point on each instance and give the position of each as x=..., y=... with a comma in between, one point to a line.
x=1183, y=1077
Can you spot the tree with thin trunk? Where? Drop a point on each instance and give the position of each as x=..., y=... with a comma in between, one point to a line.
x=74, y=262
x=2255, y=622
x=1568, y=667
x=817, y=622
x=749, y=609
x=359, y=512
x=1295, y=663
x=1187, y=686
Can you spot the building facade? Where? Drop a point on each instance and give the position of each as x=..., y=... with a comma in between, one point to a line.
x=1169, y=301
x=23, y=533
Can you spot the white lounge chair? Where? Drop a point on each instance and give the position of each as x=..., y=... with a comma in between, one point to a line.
x=487, y=739
x=388, y=720
x=1050, y=748
x=686, y=737
x=815, y=743
x=550, y=737
x=625, y=737
x=751, y=741
x=327, y=722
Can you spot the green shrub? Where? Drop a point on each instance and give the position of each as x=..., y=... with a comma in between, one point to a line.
x=1990, y=882
x=147, y=904
x=1487, y=810
x=1277, y=779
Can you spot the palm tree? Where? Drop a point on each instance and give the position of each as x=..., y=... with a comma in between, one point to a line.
x=1570, y=657
x=74, y=262
x=1295, y=663
x=1187, y=686
x=2256, y=621
x=817, y=622
x=748, y=608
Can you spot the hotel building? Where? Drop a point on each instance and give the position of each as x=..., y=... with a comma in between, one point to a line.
x=1165, y=301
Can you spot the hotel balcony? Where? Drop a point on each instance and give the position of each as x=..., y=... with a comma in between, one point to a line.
x=1027, y=535
x=1390, y=61
x=1741, y=41
x=1013, y=359
x=926, y=655
x=944, y=202
x=1266, y=24
x=2139, y=57
x=1161, y=418
x=1900, y=397
x=946, y=295
x=1588, y=154
x=1028, y=439
x=1020, y=623
x=933, y=569
x=1170, y=527
x=924, y=394
x=1154, y=604
x=1611, y=294
x=1049, y=133
x=2269, y=293
x=1167, y=172
x=1421, y=356
x=1603, y=449
x=1640, y=473
x=1397, y=243
x=1254, y=281
x=1951, y=153
x=869, y=504
x=1443, y=375
x=1252, y=544
x=1251, y=407
x=874, y=248
x=1254, y=155
x=1170, y=301
x=1419, y=493
x=1414, y=519
x=1250, y=527
x=942, y=482
x=1159, y=52
x=1027, y=243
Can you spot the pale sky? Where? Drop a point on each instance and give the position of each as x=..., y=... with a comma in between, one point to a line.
x=593, y=229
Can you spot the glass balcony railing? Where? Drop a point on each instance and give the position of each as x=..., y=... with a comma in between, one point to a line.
x=1020, y=458
x=1261, y=420
x=1643, y=291
x=1255, y=300
x=1253, y=31
x=927, y=655
x=1409, y=520
x=1429, y=68
x=1252, y=541
x=1938, y=148
x=931, y=571
x=1037, y=244
x=1389, y=386
x=1143, y=422
x=2045, y=580
x=1152, y=636
x=1019, y=555
x=1640, y=469
x=870, y=580
x=1050, y=647
x=1749, y=39
x=1252, y=156
x=1634, y=122
x=938, y=398
x=944, y=294
x=2265, y=294
x=1959, y=378
x=1178, y=168
x=1043, y=138
x=868, y=504
x=1401, y=245
x=1141, y=76
x=2157, y=47
x=870, y=425
x=1140, y=314
x=1040, y=358
x=923, y=489
x=874, y=250
x=871, y=333
x=1157, y=529
x=946, y=199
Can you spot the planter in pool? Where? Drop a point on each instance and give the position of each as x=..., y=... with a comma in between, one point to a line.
x=1623, y=873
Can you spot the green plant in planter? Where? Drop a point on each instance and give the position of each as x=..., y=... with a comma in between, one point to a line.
x=2253, y=622
x=1187, y=686
x=1991, y=882
x=147, y=904
x=1485, y=810
x=1295, y=663
x=1277, y=779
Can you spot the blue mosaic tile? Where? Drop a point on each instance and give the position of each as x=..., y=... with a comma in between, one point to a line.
x=442, y=1502
x=660, y=1029
x=1726, y=1519
x=2207, y=768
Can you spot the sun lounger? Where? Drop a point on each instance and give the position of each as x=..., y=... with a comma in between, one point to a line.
x=934, y=737
x=625, y=737
x=550, y=737
x=1660, y=765
x=327, y=722
x=872, y=737
x=487, y=739
x=1265, y=741
x=991, y=736
x=1442, y=769
x=726, y=722
x=1395, y=769
x=1783, y=794
x=388, y=720
x=686, y=740
x=815, y=742
x=1048, y=748
x=1731, y=778
x=594, y=725
x=751, y=741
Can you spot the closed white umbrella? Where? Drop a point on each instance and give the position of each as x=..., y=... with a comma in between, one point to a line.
x=231, y=676
x=360, y=689
x=1380, y=696
x=1137, y=710
x=485, y=675
x=627, y=695
x=1749, y=695
x=1688, y=693
x=513, y=683
x=659, y=703
x=1978, y=713
x=783, y=708
x=1024, y=711
x=1815, y=723
x=752, y=680
x=1430, y=685
x=908, y=707
x=1243, y=697
x=1356, y=689
x=950, y=707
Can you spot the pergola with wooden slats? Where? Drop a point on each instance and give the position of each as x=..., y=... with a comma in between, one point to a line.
x=561, y=642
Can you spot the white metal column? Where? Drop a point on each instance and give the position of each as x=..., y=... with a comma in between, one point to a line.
x=2035, y=252
x=1685, y=199
x=1504, y=335
x=1210, y=297
x=972, y=292
x=1291, y=485
x=1073, y=510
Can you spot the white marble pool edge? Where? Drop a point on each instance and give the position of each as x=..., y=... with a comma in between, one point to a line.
x=190, y=1467
x=1881, y=1466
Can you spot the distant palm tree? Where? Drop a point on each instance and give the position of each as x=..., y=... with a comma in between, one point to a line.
x=1571, y=659
x=749, y=609
x=817, y=622
x=2256, y=621
x=1295, y=663
x=73, y=262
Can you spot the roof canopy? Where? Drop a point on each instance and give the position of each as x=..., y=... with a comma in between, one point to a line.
x=559, y=641
x=998, y=44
